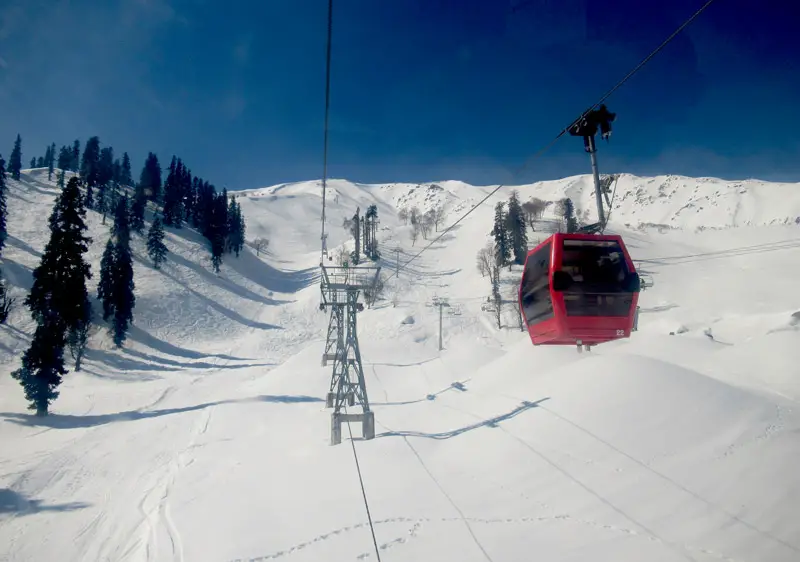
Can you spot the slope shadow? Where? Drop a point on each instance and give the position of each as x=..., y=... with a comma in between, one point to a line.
x=492, y=422
x=24, y=246
x=147, y=362
x=121, y=362
x=253, y=268
x=126, y=376
x=220, y=282
x=231, y=314
x=270, y=278
x=14, y=502
x=136, y=334
x=18, y=275
x=16, y=195
x=32, y=184
x=188, y=365
x=69, y=421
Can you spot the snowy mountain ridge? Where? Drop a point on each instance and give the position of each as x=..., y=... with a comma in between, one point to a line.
x=206, y=437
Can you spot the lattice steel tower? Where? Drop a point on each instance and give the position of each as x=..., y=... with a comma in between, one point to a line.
x=340, y=289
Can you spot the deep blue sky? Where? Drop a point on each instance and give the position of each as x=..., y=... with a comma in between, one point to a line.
x=422, y=90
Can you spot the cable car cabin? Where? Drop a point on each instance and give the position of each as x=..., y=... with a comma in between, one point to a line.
x=579, y=289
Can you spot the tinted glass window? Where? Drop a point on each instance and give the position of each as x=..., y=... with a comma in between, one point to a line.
x=596, y=266
x=537, y=305
x=598, y=271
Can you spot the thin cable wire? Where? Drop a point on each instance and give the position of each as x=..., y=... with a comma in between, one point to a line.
x=323, y=248
x=363, y=491
x=564, y=131
x=323, y=245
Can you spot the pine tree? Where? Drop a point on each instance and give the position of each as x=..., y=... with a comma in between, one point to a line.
x=516, y=228
x=40, y=162
x=150, y=178
x=122, y=280
x=64, y=158
x=235, y=241
x=33, y=162
x=58, y=300
x=90, y=169
x=218, y=229
x=502, y=242
x=126, y=177
x=105, y=175
x=43, y=366
x=90, y=161
x=3, y=206
x=51, y=159
x=138, y=206
x=15, y=162
x=59, y=284
x=105, y=287
x=156, y=248
x=173, y=213
x=75, y=161
x=569, y=215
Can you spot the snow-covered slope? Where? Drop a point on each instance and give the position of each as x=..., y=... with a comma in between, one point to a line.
x=207, y=437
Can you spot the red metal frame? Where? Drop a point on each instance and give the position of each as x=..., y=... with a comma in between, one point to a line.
x=576, y=330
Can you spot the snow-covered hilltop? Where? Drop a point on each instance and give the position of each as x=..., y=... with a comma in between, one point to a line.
x=206, y=438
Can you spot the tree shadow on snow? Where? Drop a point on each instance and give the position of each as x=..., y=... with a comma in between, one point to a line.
x=122, y=363
x=17, y=275
x=158, y=361
x=221, y=282
x=136, y=334
x=251, y=267
x=69, y=421
x=270, y=278
x=22, y=245
x=16, y=503
x=492, y=422
x=231, y=314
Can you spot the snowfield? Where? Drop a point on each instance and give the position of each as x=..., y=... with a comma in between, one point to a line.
x=207, y=439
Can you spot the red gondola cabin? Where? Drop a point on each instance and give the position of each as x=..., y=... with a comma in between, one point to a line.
x=579, y=289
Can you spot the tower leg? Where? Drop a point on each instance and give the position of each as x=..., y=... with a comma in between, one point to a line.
x=336, y=429
x=368, y=425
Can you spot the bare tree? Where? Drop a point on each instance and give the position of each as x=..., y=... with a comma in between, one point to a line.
x=375, y=292
x=415, y=228
x=77, y=340
x=494, y=275
x=426, y=223
x=403, y=215
x=533, y=209
x=438, y=217
x=260, y=245
x=485, y=258
x=340, y=257
x=414, y=215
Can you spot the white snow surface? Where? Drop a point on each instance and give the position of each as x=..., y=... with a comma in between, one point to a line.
x=207, y=439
